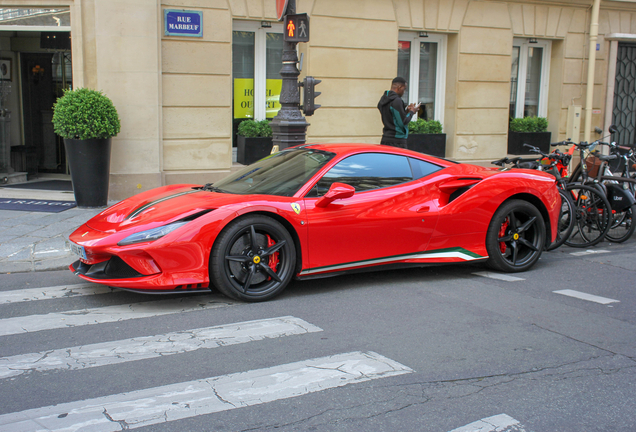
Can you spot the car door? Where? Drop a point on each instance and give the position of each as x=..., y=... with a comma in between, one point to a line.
x=390, y=216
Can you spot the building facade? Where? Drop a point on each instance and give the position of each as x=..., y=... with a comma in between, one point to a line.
x=473, y=64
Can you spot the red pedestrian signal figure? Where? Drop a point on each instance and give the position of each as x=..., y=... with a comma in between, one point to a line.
x=296, y=28
x=290, y=28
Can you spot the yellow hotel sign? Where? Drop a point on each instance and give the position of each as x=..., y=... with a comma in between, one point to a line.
x=244, y=97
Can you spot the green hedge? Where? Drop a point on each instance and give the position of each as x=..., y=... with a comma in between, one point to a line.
x=421, y=126
x=529, y=124
x=85, y=114
x=252, y=129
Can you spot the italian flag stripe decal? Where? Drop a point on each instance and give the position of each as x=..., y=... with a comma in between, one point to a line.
x=456, y=252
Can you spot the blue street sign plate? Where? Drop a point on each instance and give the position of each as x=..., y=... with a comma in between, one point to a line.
x=183, y=23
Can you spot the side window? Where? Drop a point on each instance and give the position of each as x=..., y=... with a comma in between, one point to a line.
x=422, y=168
x=365, y=172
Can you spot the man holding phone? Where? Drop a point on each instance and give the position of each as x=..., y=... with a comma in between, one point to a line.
x=395, y=116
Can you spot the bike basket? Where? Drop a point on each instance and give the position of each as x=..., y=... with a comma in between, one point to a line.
x=593, y=164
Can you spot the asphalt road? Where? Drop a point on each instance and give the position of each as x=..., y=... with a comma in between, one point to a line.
x=435, y=349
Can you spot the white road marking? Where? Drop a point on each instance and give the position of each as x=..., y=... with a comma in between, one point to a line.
x=188, y=399
x=47, y=293
x=498, y=423
x=499, y=276
x=108, y=353
x=46, y=251
x=75, y=318
x=585, y=296
x=589, y=252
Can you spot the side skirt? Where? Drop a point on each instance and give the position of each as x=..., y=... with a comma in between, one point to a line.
x=436, y=257
x=377, y=268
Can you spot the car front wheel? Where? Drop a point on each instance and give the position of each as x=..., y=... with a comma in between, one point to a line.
x=515, y=237
x=253, y=259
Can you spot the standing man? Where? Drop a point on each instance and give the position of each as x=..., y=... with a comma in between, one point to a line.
x=395, y=116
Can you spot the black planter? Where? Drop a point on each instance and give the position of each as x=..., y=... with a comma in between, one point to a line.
x=432, y=144
x=249, y=150
x=89, y=161
x=516, y=140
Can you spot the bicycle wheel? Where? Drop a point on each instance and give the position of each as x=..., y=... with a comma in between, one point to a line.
x=567, y=220
x=593, y=215
x=622, y=226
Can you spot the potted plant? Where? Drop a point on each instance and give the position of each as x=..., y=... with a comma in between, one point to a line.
x=528, y=130
x=254, y=141
x=425, y=136
x=87, y=120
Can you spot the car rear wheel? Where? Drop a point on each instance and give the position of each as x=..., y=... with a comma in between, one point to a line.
x=253, y=259
x=515, y=237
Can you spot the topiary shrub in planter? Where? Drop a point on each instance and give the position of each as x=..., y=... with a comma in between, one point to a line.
x=425, y=136
x=528, y=130
x=87, y=120
x=254, y=141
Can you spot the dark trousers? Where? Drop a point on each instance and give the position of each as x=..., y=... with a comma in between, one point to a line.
x=392, y=141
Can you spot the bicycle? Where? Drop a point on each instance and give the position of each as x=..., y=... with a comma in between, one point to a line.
x=619, y=190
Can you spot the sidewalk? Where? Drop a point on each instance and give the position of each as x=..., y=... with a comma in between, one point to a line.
x=35, y=241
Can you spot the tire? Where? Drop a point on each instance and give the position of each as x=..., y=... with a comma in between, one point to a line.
x=253, y=259
x=622, y=226
x=566, y=220
x=515, y=237
x=593, y=213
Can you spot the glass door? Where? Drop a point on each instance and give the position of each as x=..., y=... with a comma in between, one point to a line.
x=529, y=78
x=256, y=63
x=422, y=62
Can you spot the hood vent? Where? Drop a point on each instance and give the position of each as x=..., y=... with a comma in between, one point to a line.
x=141, y=209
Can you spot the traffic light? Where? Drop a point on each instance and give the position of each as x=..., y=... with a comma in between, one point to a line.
x=309, y=95
x=296, y=28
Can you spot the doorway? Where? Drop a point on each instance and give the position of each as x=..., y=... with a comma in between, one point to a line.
x=624, y=110
x=44, y=77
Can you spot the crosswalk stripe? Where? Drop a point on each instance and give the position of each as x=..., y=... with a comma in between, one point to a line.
x=498, y=276
x=75, y=318
x=501, y=422
x=140, y=348
x=188, y=399
x=48, y=293
x=589, y=252
x=586, y=296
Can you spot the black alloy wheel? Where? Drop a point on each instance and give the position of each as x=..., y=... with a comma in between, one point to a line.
x=253, y=259
x=515, y=237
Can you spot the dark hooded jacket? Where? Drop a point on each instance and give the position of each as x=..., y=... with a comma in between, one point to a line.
x=394, y=116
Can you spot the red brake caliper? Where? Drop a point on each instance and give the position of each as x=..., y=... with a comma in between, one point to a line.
x=502, y=232
x=273, y=258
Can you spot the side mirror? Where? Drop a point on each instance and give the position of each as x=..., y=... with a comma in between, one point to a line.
x=613, y=129
x=336, y=191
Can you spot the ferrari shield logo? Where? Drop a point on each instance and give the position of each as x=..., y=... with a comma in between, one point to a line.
x=296, y=207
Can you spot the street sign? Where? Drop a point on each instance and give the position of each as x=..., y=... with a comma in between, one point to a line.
x=183, y=23
x=296, y=28
x=281, y=8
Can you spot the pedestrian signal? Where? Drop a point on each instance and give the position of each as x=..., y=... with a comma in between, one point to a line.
x=296, y=28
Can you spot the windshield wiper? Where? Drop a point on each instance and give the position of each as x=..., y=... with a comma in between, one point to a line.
x=208, y=187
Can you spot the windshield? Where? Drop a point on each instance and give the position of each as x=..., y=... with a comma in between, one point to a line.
x=279, y=174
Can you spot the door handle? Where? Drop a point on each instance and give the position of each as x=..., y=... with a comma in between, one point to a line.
x=423, y=209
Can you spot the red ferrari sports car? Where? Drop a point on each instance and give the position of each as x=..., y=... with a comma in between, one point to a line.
x=314, y=211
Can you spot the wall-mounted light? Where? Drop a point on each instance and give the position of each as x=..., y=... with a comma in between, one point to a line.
x=266, y=24
x=423, y=34
x=533, y=40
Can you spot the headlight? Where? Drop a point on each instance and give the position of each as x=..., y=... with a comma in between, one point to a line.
x=150, y=235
